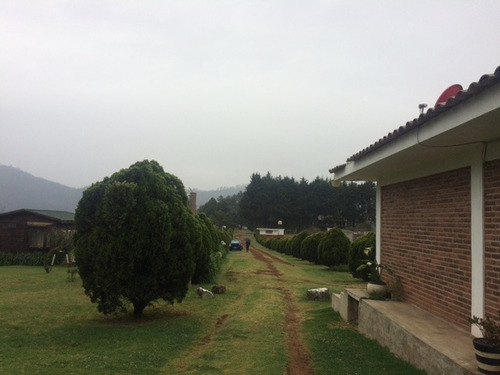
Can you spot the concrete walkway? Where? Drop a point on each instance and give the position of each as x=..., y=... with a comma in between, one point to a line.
x=411, y=333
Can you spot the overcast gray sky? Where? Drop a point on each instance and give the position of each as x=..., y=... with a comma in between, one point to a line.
x=217, y=90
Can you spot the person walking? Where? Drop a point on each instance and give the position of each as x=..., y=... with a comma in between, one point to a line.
x=247, y=243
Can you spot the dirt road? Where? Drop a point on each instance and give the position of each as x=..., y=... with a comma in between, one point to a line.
x=255, y=327
x=298, y=361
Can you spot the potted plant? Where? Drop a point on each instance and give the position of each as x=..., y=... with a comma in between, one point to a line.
x=375, y=286
x=487, y=347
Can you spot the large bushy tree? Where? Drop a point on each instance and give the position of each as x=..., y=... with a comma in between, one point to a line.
x=134, y=239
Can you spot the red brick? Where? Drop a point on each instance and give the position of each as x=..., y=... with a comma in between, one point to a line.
x=426, y=240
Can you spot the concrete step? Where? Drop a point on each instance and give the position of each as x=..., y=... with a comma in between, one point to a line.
x=411, y=333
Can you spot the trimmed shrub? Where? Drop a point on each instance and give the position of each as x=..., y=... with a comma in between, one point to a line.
x=334, y=248
x=282, y=245
x=295, y=243
x=309, y=247
x=273, y=244
x=357, y=254
x=288, y=246
x=264, y=241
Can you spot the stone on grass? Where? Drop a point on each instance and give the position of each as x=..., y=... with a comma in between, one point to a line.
x=318, y=294
x=219, y=289
x=204, y=293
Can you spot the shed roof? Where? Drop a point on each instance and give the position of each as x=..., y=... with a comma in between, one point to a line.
x=62, y=217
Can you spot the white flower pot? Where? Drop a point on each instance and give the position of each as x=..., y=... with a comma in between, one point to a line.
x=376, y=288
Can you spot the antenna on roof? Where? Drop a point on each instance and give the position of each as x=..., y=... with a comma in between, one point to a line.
x=422, y=107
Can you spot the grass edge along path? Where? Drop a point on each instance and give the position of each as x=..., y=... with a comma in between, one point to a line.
x=298, y=356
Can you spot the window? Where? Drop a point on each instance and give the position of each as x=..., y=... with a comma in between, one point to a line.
x=37, y=238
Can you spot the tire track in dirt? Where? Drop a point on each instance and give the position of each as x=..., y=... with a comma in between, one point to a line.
x=220, y=321
x=298, y=361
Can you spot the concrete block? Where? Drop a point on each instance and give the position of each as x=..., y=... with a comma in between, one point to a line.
x=336, y=301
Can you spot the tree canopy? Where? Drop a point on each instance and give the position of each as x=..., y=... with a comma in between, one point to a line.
x=224, y=211
x=135, y=238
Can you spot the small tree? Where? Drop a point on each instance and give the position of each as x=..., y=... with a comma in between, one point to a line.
x=134, y=239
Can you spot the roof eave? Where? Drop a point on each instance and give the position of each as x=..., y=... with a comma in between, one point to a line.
x=405, y=145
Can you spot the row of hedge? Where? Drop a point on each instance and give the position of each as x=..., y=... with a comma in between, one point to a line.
x=36, y=258
x=332, y=248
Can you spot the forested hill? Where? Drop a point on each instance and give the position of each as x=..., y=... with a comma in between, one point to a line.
x=19, y=189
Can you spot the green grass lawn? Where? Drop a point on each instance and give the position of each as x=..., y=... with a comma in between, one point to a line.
x=49, y=326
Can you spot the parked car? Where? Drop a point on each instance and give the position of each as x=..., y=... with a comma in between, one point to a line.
x=235, y=245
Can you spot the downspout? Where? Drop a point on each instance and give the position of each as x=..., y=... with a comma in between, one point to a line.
x=378, y=221
x=477, y=236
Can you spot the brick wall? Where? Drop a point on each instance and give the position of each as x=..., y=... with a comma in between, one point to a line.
x=425, y=237
x=492, y=236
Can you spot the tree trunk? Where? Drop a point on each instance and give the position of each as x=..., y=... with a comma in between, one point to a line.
x=139, y=307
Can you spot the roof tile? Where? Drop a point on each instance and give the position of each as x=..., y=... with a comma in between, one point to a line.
x=487, y=80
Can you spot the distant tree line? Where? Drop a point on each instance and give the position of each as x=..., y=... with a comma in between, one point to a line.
x=224, y=210
x=297, y=204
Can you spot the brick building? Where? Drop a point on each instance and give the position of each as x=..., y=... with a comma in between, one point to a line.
x=28, y=230
x=438, y=202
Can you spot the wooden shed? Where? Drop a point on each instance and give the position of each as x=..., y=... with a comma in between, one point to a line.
x=29, y=230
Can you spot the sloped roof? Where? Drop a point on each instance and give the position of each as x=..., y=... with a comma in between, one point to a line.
x=485, y=82
x=63, y=217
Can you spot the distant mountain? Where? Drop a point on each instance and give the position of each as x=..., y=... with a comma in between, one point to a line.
x=203, y=197
x=19, y=189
